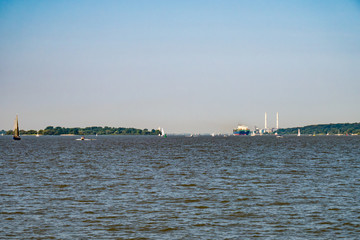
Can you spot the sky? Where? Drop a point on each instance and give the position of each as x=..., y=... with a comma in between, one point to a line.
x=187, y=66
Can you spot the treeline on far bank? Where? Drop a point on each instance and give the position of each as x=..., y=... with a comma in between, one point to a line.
x=323, y=129
x=50, y=130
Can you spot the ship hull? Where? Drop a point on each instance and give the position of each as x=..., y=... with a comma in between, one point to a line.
x=240, y=133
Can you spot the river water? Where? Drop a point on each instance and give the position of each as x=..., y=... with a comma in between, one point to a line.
x=147, y=187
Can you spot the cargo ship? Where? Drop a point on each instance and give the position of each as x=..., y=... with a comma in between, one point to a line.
x=241, y=130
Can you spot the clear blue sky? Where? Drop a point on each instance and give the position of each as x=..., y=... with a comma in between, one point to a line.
x=187, y=66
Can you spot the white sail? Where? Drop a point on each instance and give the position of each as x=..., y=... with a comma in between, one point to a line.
x=299, y=132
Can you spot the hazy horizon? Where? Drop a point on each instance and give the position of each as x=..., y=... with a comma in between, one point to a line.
x=189, y=67
x=189, y=132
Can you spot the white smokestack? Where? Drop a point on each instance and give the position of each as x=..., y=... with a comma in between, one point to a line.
x=265, y=120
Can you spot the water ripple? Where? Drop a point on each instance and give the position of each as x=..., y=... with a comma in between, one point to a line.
x=180, y=188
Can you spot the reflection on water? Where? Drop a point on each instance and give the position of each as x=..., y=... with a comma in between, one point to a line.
x=180, y=188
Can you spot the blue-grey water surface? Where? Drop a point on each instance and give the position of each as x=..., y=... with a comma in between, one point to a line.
x=147, y=187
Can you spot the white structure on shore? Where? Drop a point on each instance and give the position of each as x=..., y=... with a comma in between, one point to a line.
x=270, y=130
x=265, y=121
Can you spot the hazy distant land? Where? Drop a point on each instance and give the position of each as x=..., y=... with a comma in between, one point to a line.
x=50, y=130
x=322, y=129
x=319, y=129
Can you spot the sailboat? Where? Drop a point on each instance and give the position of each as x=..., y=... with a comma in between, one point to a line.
x=299, y=132
x=163, y=134
x=16, y=130
x=37, y=134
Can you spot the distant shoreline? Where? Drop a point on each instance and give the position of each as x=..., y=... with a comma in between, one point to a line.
x=318, y=129
x=61, y=131
x=324, y=129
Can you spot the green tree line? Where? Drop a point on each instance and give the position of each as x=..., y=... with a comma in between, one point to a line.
x=332, y=129
x=50, y=130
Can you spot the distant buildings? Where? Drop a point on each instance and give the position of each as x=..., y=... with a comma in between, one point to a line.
x=266, y=129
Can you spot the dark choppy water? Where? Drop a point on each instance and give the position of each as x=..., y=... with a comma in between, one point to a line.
x=180, y=188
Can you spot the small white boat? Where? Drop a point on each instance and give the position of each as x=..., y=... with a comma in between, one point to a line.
x=163, y=134
x=84, y=139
